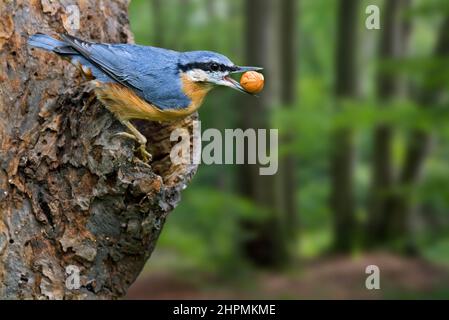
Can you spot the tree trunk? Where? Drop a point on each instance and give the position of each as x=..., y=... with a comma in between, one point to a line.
x=417, y=151
x=73, y=198
x=342, y=196
x=158, y=24
x=288, y=63
x=267, y=246
x=393, y=43
x=182, y=27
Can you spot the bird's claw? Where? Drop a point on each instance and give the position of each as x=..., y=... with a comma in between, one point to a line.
x=145, y=156
x=126, y=135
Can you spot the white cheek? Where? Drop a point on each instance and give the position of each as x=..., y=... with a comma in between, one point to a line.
x=197, y=75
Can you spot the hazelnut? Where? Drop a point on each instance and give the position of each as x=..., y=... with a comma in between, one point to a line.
x=252, y=81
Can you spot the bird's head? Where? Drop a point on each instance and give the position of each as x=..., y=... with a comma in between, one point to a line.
x=212, y=68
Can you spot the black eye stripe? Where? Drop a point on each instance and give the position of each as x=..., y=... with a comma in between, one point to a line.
x=215, y=67
x=206, y=66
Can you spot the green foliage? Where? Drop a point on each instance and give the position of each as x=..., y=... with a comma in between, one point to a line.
x=438, y=251
x=204, y=231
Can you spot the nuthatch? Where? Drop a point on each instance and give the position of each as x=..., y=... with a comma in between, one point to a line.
x=140, y=82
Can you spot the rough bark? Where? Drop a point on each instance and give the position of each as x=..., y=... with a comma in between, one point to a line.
x=342, y=166
x=72, y=194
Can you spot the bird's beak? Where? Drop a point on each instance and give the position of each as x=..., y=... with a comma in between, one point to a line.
x=246, y=69
x=230, y=82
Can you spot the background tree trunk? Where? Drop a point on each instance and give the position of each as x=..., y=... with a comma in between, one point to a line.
x=158, y=23
x=70, y=193
x=342, y=166
x=289, y=57
x=393, y=43
x=417, y=152
x=266, y=247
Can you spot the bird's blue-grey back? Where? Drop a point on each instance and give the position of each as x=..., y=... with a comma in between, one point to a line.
x=151, y=72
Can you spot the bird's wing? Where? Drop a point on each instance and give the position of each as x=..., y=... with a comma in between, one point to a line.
x=151, y=72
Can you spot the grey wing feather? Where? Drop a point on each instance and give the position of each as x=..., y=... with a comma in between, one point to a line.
x=63, y=48
x=151, y=72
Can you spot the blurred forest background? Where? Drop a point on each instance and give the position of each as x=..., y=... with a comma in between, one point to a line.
x=363, y=118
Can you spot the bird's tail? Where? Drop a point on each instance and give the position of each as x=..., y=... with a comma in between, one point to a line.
x=64, y=48
x=45, y=42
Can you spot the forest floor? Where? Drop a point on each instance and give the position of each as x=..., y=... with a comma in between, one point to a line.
x=330, y=278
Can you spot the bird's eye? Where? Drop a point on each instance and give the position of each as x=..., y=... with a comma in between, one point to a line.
x=215, y=67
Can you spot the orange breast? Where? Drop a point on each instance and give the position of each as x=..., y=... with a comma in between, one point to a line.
x=195, y=91
x=127, y=105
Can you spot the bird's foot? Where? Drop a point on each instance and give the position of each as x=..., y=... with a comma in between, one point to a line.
x=126, y=135
x=145, y=156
